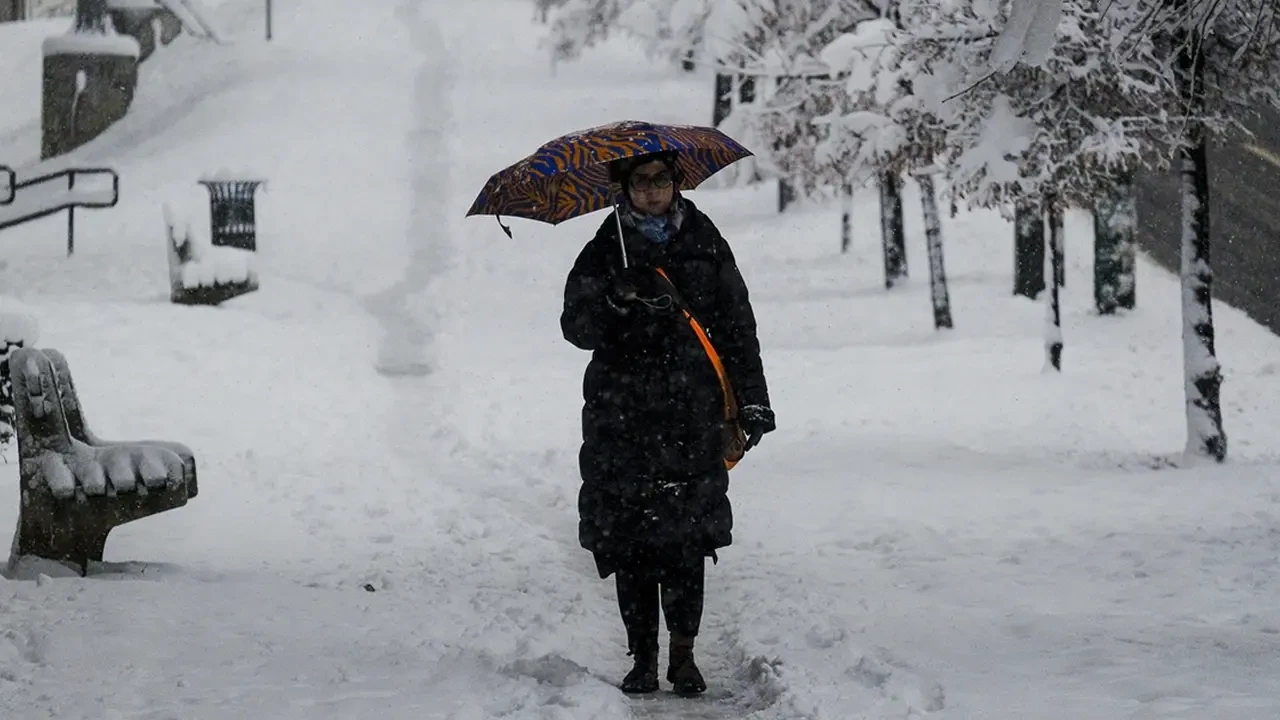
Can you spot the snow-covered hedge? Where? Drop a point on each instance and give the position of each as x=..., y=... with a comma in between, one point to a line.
x=18, y=328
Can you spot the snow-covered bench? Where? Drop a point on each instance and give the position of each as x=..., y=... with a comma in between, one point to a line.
x=201, y=273
x=75, y=490
x=79, y=429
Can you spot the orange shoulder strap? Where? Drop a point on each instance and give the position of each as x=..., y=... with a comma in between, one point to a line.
x=730, y=399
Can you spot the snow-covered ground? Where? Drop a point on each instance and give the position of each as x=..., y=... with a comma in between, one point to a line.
x=938, y=528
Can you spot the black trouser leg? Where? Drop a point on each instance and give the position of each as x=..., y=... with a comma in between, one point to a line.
x=682, y=591
x=638, y=602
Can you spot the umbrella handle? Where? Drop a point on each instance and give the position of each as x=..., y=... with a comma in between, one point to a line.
x=622, y=245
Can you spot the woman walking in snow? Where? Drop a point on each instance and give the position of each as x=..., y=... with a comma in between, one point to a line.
x=654, y=498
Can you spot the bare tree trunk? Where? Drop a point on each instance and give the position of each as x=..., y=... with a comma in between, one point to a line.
x=723, y=100
x=1056, y=215
x=1115, y=223
x=846, y=217
x=892, y=235
x=1028, y=250
x=1057, y=239
x=786, y=194
x=933, y=240
x=1203, y=375
x=1053, y=274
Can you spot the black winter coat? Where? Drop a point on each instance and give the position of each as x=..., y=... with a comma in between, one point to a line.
x=654, y=484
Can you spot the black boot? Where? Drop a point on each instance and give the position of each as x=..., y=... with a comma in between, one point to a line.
x=643, y=678
x=682, y=672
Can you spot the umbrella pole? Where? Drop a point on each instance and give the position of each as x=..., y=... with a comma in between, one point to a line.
x=622, y=245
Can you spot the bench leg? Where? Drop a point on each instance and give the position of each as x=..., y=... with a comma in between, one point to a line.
x=61, y=535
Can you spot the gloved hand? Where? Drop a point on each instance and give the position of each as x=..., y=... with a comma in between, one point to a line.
x=637, y=288
x=756, y=420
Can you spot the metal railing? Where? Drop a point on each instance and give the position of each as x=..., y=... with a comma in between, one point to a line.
x=67, y=200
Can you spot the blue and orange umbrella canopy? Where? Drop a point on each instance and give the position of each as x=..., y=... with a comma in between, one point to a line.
x=569, y=176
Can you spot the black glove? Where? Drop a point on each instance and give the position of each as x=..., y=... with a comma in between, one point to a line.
x=756, y=420
x=637, y=288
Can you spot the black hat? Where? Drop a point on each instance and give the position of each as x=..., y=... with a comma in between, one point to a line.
x=620, y=170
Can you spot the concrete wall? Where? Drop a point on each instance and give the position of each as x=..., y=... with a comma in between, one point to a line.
x=70, y=118
x=1244, y=219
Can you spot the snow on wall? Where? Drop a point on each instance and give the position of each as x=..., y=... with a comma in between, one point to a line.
x=74, y=43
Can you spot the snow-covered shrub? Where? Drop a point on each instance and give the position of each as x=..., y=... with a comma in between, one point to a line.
x=18, y=329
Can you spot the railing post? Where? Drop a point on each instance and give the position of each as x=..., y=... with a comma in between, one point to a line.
x=71, y=214
x=9, y=184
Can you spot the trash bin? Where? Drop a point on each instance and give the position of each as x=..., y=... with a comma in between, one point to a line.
x=231, y=213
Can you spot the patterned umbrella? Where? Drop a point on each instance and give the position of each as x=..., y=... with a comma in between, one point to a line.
x=569, y=176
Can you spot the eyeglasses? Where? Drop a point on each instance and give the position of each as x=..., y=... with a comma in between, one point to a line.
x=660, y=181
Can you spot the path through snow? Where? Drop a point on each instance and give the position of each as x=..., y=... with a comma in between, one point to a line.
x=404, y=348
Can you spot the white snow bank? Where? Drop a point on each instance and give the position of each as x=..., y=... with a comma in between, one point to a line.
x=76, y=43
x=20, y=77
